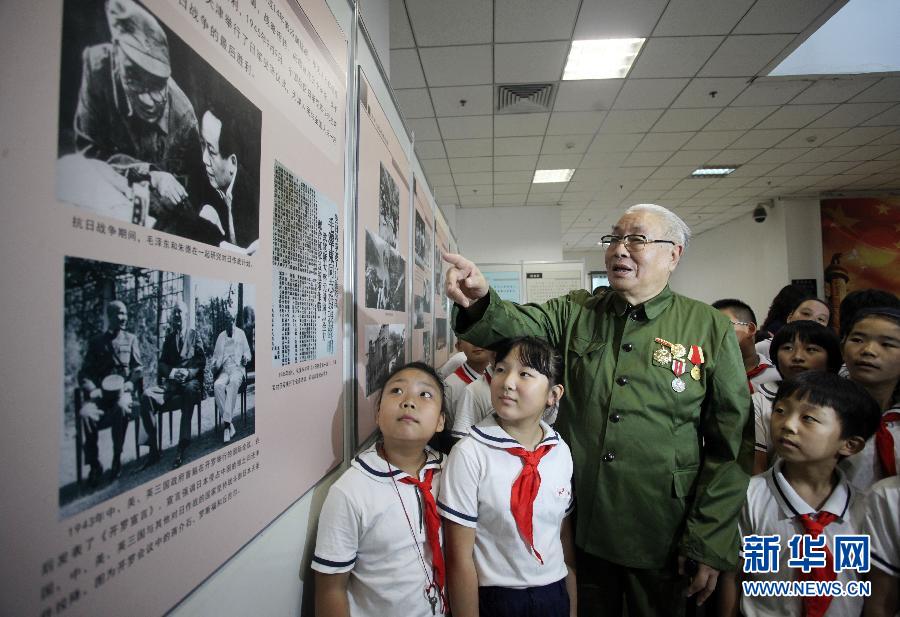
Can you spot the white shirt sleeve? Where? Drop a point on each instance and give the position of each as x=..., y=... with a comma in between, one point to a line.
x=337, y=539
x=762, y=417
x=459, y=486
x=883, y=525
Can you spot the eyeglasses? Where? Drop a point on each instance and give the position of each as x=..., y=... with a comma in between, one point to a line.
x=740, y=323
x=633, y=243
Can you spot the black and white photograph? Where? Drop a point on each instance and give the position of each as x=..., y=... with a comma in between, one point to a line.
x=422, y=242
x=419, y=303
x=385, y=345
x=427, y=294
x=438, y=269
x=150, y=133
x=440, y=333
x=428, y=356
x=385, y=275
x=164, y=360
x=388, y=207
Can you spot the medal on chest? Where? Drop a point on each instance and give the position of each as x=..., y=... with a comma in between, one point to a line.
x=679, y=358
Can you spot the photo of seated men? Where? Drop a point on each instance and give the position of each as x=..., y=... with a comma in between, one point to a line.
x=143, y=137
x=158, y=374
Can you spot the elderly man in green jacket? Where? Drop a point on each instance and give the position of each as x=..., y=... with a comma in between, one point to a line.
x=655, y=407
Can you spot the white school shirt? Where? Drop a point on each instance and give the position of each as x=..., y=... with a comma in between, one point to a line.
x=771, y=509
x=763, y=348
x=763, y=399
x=475, y=492
x=452, y=364
x=768, y=374
x=363, y=530
x=883, y=525
x=474, y=406
x=455, y=384
x=863, y=468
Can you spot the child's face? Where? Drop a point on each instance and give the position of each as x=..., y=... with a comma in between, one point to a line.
x=410, y=408
x=475, y=354
x=743, y=330
x=811, y=310
x=520, y=392
x=807, y=433
x=796, y=356
x=872, y=351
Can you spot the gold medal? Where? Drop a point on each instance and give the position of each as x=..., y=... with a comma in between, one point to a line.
x=678, y=350
x=662, y=357
x=695, y=372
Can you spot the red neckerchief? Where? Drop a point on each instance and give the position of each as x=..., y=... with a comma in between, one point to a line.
x=884, y=444
x=524, y=492
x=432, y=527
x=815, y=606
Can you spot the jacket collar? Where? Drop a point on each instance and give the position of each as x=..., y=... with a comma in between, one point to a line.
x=370, y=463
x=492, y=434
x=646, y=311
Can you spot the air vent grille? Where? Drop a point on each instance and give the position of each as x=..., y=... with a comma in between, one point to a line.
x=524, y=98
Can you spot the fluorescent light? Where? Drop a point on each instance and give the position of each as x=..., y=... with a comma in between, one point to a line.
x=712, y=172
x=552, y=175
x=601, y=58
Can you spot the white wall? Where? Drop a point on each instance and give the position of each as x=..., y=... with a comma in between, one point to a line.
x=529, y=233
x=752, y=261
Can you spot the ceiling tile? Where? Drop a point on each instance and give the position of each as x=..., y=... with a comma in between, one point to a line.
x=414, y=103
x=849, y=114
x=424, y=128
x=479, y=100
x=809, y=137
x=476, y=200
x=780, y=155
x=769, y=93
x=534, y=20
x=823, y=154
x=673, y=171
x=635, y=173
x=685, y=119
x=874, y=167
x=648, y=93
x=710, y=92
x=745, y=56
x=461, y=22
x=885, y=91
x=435, y=166
x=734, y=118
x=468, y=147
x=517, y=145
x=529, y=62
x=866, y=153
x=457, y=66
x=559, y=161
x=541, y=200
x=466, y=127
x=794, y=116
x=834, y=168
x=445, y=192
x=400, y=32
x=691, y=157
x=641, y=159
x=762, y=138
x=664, y=141
x=440, y=180
x=890, y=138
x=889, y=118
x=512, y=177
x=566, y=144
x=694, y=17
x=753, y=170
x=515, y=163
x=587, y=95
x=735, y=156
x=574, y=122
x=476, y=189
x=778, y=16
x=603, y=19
x=597, y=158
x=471, y=178
x=709, y=140
x=406, y=72
x=471, y=164
x=520, y=125
x=859, y=136
x=674, y=56
x=614, y=143
x=834, y=89
x=510, y=200
x=514, y=189
x=630, y=121
x=430, y=150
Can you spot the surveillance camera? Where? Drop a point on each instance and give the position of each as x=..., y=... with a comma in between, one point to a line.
x=759, y=213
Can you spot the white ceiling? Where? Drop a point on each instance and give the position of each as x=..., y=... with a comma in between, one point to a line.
x=694, y=96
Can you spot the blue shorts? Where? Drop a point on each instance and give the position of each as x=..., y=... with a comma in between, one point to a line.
x=548, y=601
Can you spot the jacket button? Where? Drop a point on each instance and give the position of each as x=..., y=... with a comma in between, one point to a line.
x=627, y=347
x=609, y=456
x=615, y=417
x=622, y=380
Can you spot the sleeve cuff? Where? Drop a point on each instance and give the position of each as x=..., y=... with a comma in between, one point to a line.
x=328, y=566
x=457, y=517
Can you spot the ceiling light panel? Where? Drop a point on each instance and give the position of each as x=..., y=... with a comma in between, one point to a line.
x=601, y=58
x=552, y=175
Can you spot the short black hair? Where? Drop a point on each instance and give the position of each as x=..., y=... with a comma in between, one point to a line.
x=533, y=352
x=741, y=308
x=440, y=441
x=809, y=332
x=231, y=138
x=856, y=410
x=815, y=299
x=860, y=299
x=782, y=304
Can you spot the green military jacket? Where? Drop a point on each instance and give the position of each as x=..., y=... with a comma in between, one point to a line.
x=657, y=471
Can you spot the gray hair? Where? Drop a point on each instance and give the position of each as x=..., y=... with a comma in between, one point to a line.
x=676, y=229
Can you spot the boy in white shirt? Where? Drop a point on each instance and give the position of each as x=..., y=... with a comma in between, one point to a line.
x=883, y=528
x=478, y=359
x=759, y=369
x=817, y=419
